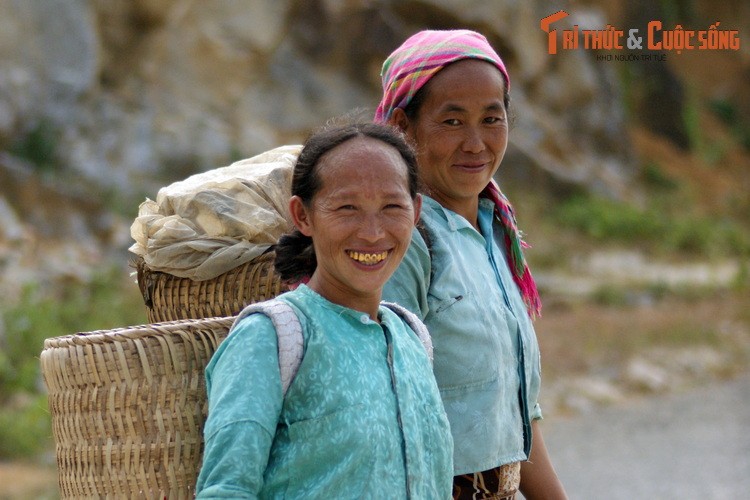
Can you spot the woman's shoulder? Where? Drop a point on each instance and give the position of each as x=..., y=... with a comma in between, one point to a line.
x=263, y=318
x=249, y=327
x=251, y=335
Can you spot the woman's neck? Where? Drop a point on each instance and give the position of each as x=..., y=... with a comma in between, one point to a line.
x=468, y=208
x=368, y=304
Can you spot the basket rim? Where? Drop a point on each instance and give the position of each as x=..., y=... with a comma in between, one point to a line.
x=267, y=257
x=125, y=333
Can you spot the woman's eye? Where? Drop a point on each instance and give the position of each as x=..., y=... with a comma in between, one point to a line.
x=452, y=121
x=347, y=207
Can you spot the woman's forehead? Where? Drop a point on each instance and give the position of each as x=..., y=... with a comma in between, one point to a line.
x=470, y=78
x=361, y=151
x=360, y=163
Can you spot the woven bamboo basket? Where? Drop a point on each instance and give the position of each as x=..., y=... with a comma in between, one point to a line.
x=170, y=298
x=128, y=407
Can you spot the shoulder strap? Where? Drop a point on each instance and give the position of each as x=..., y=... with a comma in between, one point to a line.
x=414, y=323
x=290, y=339
x=288, y=334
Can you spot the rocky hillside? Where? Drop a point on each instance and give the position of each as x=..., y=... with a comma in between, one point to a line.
x=104, y=101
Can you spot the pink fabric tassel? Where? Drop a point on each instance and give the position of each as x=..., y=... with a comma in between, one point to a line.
x=514, y=246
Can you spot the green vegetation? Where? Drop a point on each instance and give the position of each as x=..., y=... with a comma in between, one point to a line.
x=728, y=114
x=678, y=12
x=38, y=146
x=108, y=301
x=712, y=151
x=24, y=426
x=656, y=179
x=742, y=280
x=659, y=228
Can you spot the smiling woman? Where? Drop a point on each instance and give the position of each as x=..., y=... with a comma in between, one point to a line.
x=354, y=205
x=449, y=92
x=362, y=417
x=360, y=221
x=462, y=130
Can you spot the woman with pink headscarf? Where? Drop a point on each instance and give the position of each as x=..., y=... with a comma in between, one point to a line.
x=465, y=274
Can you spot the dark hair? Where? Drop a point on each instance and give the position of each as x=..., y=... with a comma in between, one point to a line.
x=295, y=257
x=412, y=109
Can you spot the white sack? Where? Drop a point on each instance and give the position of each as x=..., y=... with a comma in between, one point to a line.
x=214, y=221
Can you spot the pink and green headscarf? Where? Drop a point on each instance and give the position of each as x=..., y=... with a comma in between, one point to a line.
x=406, y=71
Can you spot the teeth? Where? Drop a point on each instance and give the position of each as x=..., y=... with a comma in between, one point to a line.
x=368, y=258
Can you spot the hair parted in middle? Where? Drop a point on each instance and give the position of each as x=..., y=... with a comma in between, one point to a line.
x=295, y=257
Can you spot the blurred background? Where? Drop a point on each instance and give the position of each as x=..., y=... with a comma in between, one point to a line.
x=631, y=179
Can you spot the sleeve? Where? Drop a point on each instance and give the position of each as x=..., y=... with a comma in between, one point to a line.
x=536, y=412
x=244, y=403
x=410, y=282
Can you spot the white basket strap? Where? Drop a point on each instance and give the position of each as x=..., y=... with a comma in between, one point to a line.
x=415, y=323
x=288, y=333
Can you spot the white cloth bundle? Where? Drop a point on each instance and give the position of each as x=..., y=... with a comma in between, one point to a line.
x=214, y=221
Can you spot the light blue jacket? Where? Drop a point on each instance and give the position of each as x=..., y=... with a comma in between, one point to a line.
x=362, y=419
x=486, y=357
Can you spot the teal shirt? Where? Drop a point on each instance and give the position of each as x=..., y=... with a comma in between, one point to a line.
x=362, y=419
x=486, y=357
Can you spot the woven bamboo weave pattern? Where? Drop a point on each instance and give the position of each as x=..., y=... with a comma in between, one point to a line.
x=128, y=407
x=170, y=298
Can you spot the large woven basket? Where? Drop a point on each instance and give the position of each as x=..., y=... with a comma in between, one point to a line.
x=128, y=407
x=169, y=297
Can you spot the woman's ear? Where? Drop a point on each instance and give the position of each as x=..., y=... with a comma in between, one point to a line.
x=417, y=208
x=399, y=119
x=300, y=215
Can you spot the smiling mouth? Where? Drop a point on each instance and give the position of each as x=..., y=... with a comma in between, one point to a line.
x=467, y=166
x=368, y=259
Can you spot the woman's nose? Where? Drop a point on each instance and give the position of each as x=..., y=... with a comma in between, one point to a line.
x=473, y=142
x=371, y=228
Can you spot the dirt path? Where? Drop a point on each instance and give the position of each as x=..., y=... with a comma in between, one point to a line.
x=21, y=481
x=688, y=445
